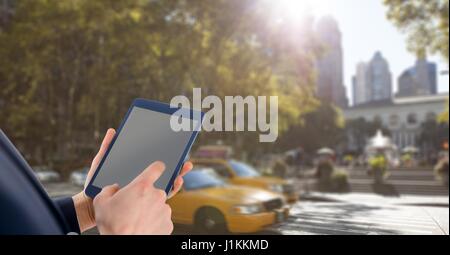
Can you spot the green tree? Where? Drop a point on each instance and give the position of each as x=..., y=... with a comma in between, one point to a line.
x=433, y=135
x=443, y=117
x=424, y=21
x=323, y=127
x=360, y=130
x=70, y=69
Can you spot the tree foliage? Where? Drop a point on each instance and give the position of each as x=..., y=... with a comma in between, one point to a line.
x=323, y=127
x=425, y=22
x=433, y=135
x=443, y=117
x=360, y=130
x=70, y=69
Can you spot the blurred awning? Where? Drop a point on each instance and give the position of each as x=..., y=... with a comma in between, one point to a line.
x=410, y=149
x=214, y=151
x=325, y=151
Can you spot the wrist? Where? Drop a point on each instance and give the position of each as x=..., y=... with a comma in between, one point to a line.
x=85, y=211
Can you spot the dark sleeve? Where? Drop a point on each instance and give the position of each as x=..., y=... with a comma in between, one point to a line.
x=67, y=208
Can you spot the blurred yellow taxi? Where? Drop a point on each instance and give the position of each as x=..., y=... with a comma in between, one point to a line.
x=213, y=206
x=239, y=173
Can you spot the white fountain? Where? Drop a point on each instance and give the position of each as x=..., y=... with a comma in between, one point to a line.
x=381, y=144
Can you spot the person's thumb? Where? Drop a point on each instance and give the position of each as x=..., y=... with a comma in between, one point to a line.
x=101, y=153
x=109, y=136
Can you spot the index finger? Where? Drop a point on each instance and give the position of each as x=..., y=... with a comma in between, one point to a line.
x=186, y=168
x=150, y=175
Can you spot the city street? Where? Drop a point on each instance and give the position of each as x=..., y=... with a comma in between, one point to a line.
x=368, y=214
x=347, y=214
x=340, y=107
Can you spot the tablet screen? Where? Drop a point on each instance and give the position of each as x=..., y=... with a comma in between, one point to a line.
x=146, y=137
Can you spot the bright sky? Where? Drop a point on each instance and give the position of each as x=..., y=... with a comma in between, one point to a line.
x=366, y=30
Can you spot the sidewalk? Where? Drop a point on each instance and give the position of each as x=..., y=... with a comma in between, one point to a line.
x=349, y=214
x=367, y=214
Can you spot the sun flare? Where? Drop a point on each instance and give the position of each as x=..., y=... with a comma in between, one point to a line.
x=296, y=10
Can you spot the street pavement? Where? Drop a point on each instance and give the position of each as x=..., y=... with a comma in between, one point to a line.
x=368, y=214
x=347, y=214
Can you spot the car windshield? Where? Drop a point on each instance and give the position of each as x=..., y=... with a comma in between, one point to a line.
x=200, y=179
x=243, y=170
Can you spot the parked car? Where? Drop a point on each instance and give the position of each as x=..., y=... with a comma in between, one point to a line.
x=214, y=206
x=45, y=174
x=240, y=173
x=78, y=177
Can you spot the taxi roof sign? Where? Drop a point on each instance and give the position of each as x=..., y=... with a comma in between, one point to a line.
x=214, y=151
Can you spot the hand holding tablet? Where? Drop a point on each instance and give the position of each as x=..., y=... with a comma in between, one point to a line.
x=121, y=211
x=145, y=136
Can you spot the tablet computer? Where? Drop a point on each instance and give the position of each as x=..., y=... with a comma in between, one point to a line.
x=146, y=136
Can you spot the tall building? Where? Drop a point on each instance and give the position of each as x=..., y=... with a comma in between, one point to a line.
x=360, y=91
x=380, y=79
x=373, y=81
x=330, y=70
x=418, y=80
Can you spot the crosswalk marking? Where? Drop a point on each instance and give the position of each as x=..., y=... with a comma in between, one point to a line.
x=307, y=225
x=333, y=218
x=370, y=220
x=377, y=226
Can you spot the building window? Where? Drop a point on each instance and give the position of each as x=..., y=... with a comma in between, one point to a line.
x=394, y=120
x=412, y=119
x=431, y=116
x=378, y=119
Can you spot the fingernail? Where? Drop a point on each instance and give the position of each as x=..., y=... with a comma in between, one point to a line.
x=159, y=164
